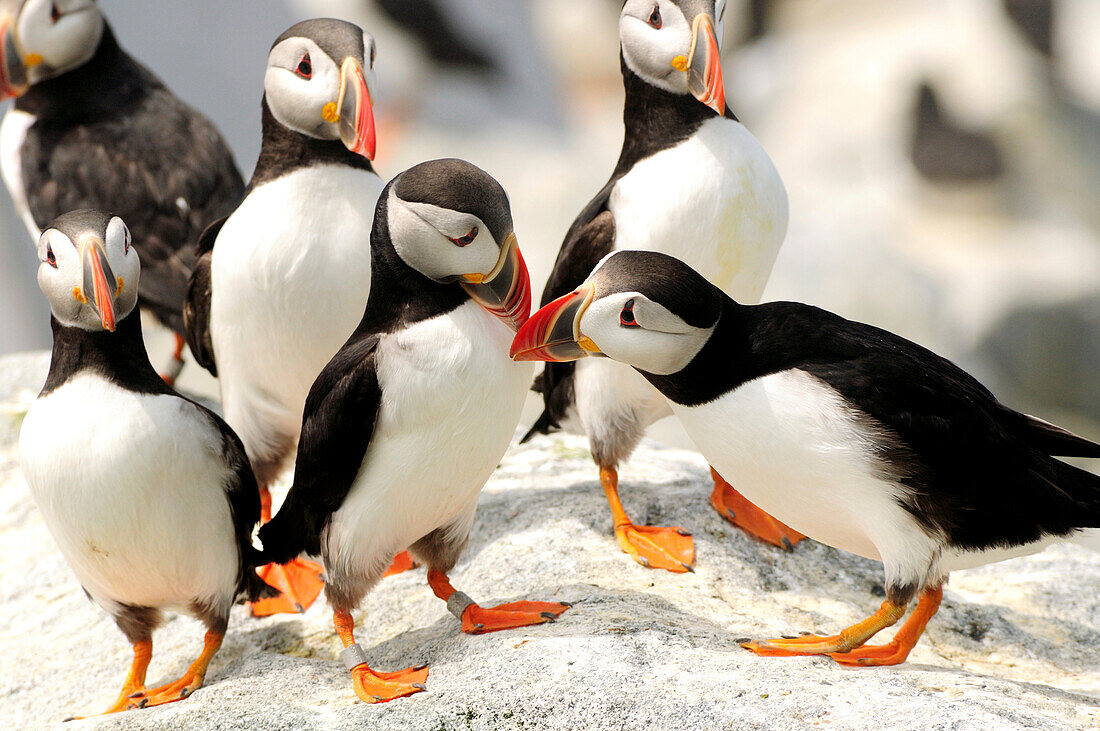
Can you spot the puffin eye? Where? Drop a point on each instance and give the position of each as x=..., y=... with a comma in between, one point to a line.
x=467, y=239
x=126, y=250
x=55, y=14
x=373, y=53
x=50, y=258
x=305, y=67
x=626, y=317
x=655, y=17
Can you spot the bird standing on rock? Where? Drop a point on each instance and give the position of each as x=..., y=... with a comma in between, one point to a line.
x=855, y=436
x=148, y=495
x=690, y=181
x=282, y=281
x=405, y=425
x=93, y=128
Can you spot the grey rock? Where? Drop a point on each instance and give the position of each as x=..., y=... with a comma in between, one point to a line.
x=1013, y=647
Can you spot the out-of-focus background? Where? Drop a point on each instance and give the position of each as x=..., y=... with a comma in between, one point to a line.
x=942, y=157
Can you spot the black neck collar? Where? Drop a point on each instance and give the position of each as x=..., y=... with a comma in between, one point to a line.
x=119, y=356
x=400, y=295
x=656, y=119
x=283, y=150
x=108, y=81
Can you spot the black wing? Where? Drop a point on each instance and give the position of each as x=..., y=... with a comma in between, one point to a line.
x=978, y=471
x=158, y=164
x=589, y=239
x=196, y=309
x=337, y=427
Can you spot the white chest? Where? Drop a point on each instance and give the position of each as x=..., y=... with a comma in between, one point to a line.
x=13, y=133
x=715, y=201
x=790, y=445
x=451, y=400
x=131, y=488
x=291, y=275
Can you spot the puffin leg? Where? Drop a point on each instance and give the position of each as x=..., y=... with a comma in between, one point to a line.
x=671, y=549
x=176, y=364
x=401, y=562
x=849, y=638
x=478, y=620
x=735, y=507
x=371, y=686
x=898, y=649
x=134, y=684
x=299, y=581
x=186, y=685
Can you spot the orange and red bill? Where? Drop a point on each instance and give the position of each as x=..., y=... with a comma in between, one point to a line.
x=13, y=72
x=356, y=110
x=553, y=333
x=705, y=65
x=506, y=290
x=100, y=285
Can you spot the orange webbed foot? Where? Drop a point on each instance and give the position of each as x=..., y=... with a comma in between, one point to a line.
x=796, y=646
x=299, y=583
x=478, y=620
x=401, y=562
x=671, y=549
x=736, y=508
x=375, y=687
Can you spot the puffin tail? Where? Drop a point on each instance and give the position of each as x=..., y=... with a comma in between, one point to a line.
x=1058, y=442
x=251, y=587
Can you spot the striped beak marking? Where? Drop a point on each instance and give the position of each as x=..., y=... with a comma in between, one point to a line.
x=553, y=333
x=99, y=290
x=704, y=68
x=506, y=290
x=355, y=111
x=13, y=69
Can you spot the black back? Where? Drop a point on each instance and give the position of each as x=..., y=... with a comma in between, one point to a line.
x=109, y=135
x=974, y=471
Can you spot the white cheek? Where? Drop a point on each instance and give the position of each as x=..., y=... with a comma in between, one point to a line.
x=298, y=103
x=649, y=52
x=64, y=45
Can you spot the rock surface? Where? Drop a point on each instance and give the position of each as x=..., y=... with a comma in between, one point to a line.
x=1014, y=646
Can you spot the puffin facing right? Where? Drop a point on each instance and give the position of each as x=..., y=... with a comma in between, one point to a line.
x=851, y=434
x=407, y=422
x=691, y=181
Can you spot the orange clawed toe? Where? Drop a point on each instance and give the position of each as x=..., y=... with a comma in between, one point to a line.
x=478, y=620
x=376, y=687
x=671, y=549
x=299, y=583
x=734, y=507
x=401, y=562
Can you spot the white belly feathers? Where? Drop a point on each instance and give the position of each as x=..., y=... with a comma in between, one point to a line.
x=131, y=487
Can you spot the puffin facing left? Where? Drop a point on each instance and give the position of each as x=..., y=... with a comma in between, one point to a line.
x=148, y=495
x=93, y=128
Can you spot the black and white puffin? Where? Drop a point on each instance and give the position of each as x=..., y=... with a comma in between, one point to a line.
x=691, y=181
x=851, y=434
x=93, y=128
x=405, y=425
x=281, y=282
x=148, y=495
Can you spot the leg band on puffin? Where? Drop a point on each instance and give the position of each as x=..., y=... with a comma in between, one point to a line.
x=477, y=620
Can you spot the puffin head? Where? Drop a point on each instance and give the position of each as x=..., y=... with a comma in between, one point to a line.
x=451, y=221
x=88, y=269
x=318, y=82
x=643, y=308
x=41, y=39
x=673, y=45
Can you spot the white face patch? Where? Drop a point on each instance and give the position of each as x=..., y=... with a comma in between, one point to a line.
x=631, y=328
x=425, y=237
x=65, y=33
x=61, y=275
x=649, y=51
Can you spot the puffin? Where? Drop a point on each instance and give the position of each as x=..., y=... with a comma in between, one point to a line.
x=281, y=282
x=407, y=422
x=850, y=434
x=92, y=127
x=691, y=181
x=153, y=502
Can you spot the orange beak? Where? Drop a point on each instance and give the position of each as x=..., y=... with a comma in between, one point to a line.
x=356, y=110
x=505, y=291
x=705, y=65
x=97, y=279
x=553, y=333
x=13, y=72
